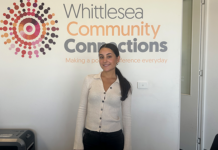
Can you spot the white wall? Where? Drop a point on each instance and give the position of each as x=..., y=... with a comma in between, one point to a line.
x=43, y=93
x=211, y=79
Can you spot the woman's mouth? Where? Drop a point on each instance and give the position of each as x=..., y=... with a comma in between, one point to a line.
x=106, y=65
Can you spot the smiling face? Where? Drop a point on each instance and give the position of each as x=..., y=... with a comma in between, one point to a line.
x=107, y=59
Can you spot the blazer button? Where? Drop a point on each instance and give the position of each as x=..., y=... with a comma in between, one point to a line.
x=102, y=101
x=110, y=87
x=104, y=93
x=100, y=118
x=101, y=109
x=99, y=126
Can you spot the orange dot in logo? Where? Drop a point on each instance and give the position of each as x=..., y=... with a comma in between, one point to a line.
x=2, y=36
x=6, y=34
x=44, y=29
x=1, y=21
x=5, y=43
x=13, y=38
x=8, y=40
x=47, y=23
x=43, y=24
x=53, y=14
x=52, y=22
x=43, y=33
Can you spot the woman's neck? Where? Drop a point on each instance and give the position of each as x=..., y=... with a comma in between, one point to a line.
x=109, y=74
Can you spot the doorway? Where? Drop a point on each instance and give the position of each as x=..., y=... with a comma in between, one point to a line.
x=189, y=123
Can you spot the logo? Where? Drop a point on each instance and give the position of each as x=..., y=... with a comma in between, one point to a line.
x=29, y=29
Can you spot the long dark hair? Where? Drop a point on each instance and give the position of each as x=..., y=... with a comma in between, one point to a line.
x=124, y=83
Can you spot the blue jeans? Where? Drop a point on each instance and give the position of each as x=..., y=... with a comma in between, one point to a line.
x=93, y=140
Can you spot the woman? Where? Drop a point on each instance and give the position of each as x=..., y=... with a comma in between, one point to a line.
x=104, y=96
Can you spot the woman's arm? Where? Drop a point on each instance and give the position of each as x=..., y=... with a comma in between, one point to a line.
x=81, y=116
x=126, y=115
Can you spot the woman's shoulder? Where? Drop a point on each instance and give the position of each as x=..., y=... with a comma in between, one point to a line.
x=92, y=76
x=89, y=79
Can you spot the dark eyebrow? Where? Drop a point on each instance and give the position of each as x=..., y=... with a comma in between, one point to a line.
x=106, y=54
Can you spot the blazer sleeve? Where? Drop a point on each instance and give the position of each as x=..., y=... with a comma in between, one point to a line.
x=126, y=116
x=81, y=115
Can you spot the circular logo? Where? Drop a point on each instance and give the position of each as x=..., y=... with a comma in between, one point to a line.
x=29, y=28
